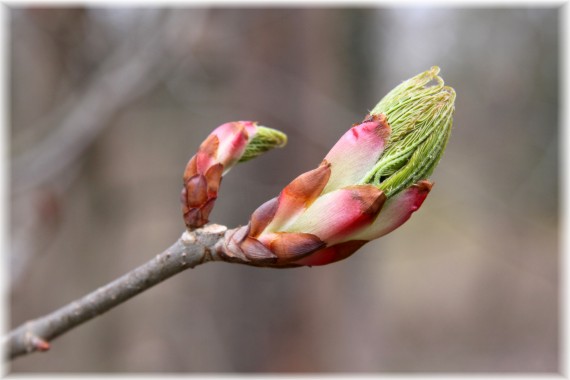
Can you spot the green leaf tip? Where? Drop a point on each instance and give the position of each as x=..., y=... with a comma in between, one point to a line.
x=420, y=114
x=265, y=139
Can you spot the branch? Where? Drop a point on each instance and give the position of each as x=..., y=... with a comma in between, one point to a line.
x=191, y=249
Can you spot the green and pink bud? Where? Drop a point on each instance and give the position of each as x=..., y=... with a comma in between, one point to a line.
x=227, y=145
x=368, y=185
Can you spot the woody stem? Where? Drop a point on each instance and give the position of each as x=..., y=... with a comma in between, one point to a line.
x=191, y=249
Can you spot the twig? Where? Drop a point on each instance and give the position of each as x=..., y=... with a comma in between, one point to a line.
x=191, y=249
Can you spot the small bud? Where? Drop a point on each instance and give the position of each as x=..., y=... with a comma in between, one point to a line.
x=369, y=184
x=227, y=145
x=35, y=343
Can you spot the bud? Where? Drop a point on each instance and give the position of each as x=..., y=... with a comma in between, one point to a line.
x=227, y=145
x=369, y=184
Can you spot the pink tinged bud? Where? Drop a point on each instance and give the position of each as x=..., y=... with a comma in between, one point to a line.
x=357, y=152
x=203, y=174
x=335, y=216
x=396, y=211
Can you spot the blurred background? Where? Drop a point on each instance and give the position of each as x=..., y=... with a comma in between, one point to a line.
x=108, y=104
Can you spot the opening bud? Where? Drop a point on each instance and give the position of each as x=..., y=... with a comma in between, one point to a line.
x=419, y=112
x=370, y=183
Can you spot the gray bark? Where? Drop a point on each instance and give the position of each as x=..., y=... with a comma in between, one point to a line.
x=191, y=249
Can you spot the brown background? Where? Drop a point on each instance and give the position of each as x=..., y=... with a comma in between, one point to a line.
x=107, y=105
